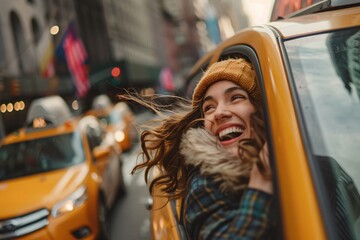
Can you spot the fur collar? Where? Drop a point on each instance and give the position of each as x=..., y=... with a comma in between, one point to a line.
x=201, y=149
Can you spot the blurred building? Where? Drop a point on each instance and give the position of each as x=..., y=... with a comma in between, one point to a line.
x=127, y=33
x=218, y=20
x=125, y=43
x=182, y=40
x=20, y=30
x=33, y=63
x=23, y=29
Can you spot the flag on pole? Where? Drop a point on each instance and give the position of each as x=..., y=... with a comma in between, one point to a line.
x=45, y=53
x=76, y=56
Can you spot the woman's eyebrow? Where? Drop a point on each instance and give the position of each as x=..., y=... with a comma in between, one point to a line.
x=227, y=91
x=231, y=89
x=207, y=98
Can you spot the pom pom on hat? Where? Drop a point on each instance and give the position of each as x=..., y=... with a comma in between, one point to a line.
x=239, y=71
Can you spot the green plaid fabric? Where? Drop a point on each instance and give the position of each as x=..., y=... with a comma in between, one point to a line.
x=209, y=213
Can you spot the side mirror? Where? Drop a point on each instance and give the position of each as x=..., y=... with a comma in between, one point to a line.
x=101, y=153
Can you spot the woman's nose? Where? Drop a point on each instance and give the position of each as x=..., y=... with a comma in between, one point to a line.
x=221, y=113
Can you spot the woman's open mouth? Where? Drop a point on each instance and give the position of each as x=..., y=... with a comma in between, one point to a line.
x=228, y=135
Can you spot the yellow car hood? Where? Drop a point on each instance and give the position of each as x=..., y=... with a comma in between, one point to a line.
x=30, y=193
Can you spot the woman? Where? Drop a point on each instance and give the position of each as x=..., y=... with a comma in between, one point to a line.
x=212, y=153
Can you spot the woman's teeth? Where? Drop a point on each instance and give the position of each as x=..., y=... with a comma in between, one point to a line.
x=230, y=133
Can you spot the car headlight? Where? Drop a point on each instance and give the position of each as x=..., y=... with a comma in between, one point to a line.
x=119, y=135
x=73, y=201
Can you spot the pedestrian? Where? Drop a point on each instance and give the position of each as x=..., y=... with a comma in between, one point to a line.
x=212, y=153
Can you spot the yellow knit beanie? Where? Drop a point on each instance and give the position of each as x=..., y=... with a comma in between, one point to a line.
x=239, y=71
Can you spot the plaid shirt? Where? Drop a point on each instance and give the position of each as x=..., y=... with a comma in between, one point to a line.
x=211, y=214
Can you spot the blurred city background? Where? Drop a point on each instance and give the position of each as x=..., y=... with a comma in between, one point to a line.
x=80, y=49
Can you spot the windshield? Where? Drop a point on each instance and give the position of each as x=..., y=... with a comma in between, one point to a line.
x=326, y=70
x=115, y=117
x=40, y=155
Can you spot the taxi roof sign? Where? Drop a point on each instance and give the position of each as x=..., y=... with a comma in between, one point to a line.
x=53, y=109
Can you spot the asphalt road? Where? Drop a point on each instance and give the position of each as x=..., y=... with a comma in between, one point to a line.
x=129, y=218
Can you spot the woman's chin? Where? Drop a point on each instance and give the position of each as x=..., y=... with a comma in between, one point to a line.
x=233, y=148
x=232, y=145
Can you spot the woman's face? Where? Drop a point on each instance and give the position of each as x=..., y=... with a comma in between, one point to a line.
x=227, y=110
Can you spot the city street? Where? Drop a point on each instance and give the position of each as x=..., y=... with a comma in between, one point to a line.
x=129, y=218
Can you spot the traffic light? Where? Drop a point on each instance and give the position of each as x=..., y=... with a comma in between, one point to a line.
x=115, y=72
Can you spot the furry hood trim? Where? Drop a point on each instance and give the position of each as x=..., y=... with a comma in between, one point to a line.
x=203, y=150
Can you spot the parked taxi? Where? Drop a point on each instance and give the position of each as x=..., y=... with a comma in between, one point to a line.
x=308, y=66
x=59, y=176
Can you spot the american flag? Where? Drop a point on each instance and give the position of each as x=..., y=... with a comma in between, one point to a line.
x=75, y=54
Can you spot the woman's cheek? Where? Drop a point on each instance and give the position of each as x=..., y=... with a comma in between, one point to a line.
x=208, y=124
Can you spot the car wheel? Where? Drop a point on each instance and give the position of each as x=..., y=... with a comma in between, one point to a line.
x=104, y=224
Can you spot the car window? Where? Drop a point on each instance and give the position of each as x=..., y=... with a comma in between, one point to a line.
x=105, y=120
x=116, y=116
x=326, y=72
x=94, y=134
x=40, y=155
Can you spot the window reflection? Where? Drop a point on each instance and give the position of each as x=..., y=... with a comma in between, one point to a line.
x=327, y=79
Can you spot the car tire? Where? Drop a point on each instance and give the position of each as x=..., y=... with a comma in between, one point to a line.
x=103, y=220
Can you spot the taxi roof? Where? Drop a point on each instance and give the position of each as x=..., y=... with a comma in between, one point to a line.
x=317, y=22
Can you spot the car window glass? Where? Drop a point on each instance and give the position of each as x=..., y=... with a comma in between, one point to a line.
x=116, y=116
x=94, y=135
x=40, y=155
x=326, y=70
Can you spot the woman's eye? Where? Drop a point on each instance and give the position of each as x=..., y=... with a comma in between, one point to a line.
x=236, y=97
x=207, y=108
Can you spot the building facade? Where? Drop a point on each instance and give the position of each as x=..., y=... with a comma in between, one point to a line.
x=32, y=33
x=139, y=38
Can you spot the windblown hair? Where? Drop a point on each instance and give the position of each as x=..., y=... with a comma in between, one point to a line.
x=161, y=140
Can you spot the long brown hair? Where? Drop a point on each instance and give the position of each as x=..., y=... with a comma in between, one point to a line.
x=160, y=141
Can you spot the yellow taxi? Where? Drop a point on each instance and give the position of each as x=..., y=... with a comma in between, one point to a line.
x=117, y=119
x=308, y=66
x=59, y=176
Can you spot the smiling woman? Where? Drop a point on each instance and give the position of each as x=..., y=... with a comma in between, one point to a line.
x=213, y=155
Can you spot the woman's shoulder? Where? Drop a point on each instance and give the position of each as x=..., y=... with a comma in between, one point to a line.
x=201, y=186
x=199, y=182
